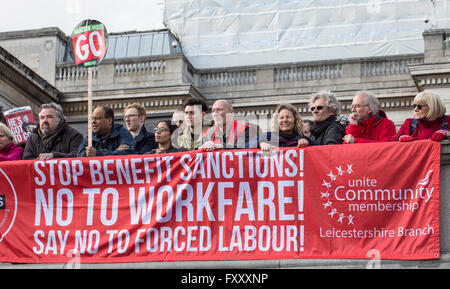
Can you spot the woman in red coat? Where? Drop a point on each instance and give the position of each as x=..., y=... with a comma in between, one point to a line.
x=9, y=151
x=429, y=122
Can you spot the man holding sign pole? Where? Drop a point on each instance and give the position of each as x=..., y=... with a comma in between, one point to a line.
x=107, y=136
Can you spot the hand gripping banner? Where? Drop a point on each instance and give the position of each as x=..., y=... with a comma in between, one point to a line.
x=319, y=202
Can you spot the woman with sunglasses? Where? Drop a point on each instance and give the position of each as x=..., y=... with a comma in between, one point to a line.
x=327, y=129
x=163, y=136
x=429, y=120
x=9, y=150
x=286, y=130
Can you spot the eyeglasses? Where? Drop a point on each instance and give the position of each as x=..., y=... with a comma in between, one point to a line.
x=419, y=106
x=358, y=105
x=161, y=129
x=130, y=116
x=320, y=107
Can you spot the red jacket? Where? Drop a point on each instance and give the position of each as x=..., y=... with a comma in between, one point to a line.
x=237, y=137
x=377, y=128
x=424, y=129
x=11, y=152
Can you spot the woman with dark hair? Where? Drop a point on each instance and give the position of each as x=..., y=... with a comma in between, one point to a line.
x=286, y=130
x=163, y=137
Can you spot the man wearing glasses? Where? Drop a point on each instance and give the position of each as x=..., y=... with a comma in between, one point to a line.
x=134, y=116
x=107, y=136
x=368, y=123
x=326, y=129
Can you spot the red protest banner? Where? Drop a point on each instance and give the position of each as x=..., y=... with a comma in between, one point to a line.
x=317, y=202
x=21, y=122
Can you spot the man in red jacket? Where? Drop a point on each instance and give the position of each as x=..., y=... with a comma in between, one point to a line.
x=368, y=123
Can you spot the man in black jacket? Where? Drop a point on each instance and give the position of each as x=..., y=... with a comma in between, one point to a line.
x=54, y=138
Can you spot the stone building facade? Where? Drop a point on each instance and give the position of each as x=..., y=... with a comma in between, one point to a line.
x=149, y=68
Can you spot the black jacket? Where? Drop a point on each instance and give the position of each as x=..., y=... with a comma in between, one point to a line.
x=145, y=141
x=63, y=143
x=329, y=131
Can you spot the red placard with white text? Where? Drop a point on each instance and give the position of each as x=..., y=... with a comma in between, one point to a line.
x=20, y=122
x=340, y=201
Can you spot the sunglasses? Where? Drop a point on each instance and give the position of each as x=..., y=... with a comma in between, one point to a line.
x=419, y=106
x=318, y=107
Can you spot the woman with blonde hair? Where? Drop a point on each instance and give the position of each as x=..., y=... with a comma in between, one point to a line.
x=429, y=120
x=9, y=150
x=286, y=130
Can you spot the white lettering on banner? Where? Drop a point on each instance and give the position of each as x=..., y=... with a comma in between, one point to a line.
x=263, y=238
x=264, y=203
x=152, y=199
x=139, y=170
x=104, y=205
x=167, y=239
x=376, y=232
x=85, y=242
x=55, y=239
x=382, y=194
x=68, y=172
x=46, y=204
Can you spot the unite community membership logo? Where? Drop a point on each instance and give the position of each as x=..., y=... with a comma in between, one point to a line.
x=345, y=193
x=8, y=205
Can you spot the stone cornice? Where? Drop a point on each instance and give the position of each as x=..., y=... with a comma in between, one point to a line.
x=26, y=79
x=154, y=99
x=431, y=75
x=43, y=32
x=391, y=99
x=131, y=93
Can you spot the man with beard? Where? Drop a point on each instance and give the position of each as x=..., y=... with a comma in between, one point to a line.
x=54, y=138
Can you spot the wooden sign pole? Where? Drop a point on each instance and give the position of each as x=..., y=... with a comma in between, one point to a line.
x=89, y=105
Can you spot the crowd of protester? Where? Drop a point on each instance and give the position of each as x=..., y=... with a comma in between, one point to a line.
x=189, y=130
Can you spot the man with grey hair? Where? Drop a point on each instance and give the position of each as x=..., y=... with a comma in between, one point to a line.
x=326, y=129
x=367, y=122
x=54, y=138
